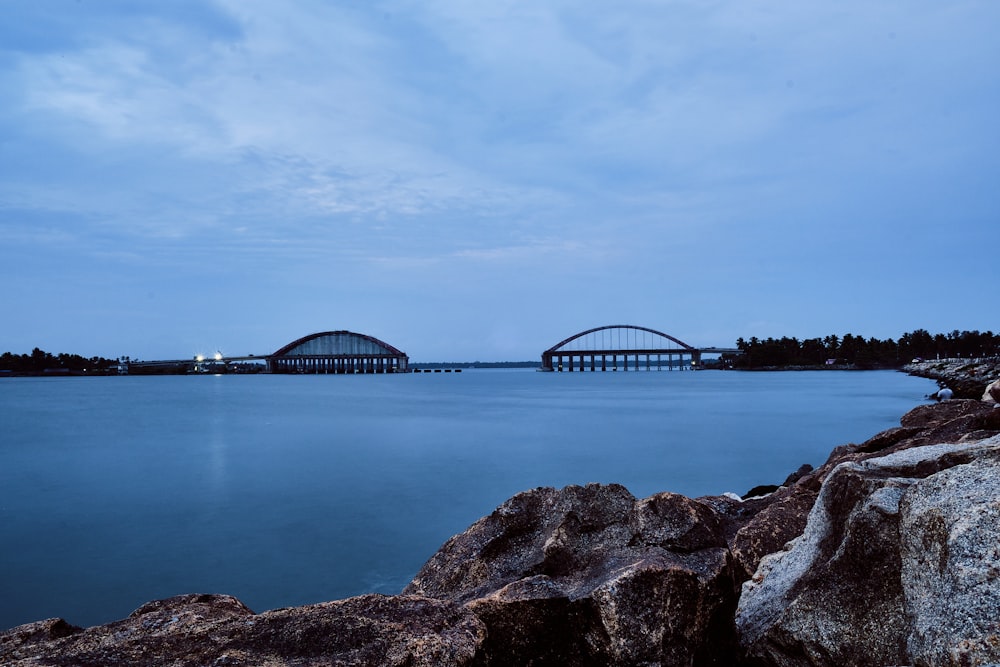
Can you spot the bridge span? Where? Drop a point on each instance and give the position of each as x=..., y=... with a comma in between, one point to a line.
x=338, y=352
x=327, y=352
x=624, y=347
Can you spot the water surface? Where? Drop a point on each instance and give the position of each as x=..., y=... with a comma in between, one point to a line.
x=287, y=490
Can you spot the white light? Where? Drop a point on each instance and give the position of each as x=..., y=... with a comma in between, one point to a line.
x=199, y=358
x=218, y=356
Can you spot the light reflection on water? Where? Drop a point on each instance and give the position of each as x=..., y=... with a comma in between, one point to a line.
x=286, y=490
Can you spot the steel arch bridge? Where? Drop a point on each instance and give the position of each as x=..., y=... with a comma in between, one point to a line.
x=620, y=347
x=341, y=352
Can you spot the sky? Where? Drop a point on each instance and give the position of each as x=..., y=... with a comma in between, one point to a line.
x=478, y=181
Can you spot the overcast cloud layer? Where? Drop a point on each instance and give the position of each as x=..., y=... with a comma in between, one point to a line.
x=481, y=180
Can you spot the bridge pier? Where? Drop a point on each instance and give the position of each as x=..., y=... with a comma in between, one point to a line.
x=578, y=362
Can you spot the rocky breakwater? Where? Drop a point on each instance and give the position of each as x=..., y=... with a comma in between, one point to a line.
x=967, y=378
x=887, y=554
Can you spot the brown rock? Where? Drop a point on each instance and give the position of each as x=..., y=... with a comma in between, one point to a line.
x=770, y=529
x=592, y=576
x=191, y=630
x=38, y=632
x=935, y=414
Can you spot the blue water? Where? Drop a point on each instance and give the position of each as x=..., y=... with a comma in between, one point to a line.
x=287, y=490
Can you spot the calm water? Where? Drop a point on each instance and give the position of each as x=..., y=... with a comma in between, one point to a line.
x=287, y=490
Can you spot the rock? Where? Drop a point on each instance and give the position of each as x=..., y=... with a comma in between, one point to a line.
x=769, y=530
x=220, y=630
x=951, y=563
x=992, y=393
x=760, y=490
x=592, y=576
x=967, y=377
x=802, y=471
x=951, y=422
x=887, y=570
x=889, y=438
x=925, y=416
x=36, y=633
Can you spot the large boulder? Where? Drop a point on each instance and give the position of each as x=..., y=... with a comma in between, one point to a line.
x=763, y=525
x=592, y=576
x=898, y=564
x=191, y=630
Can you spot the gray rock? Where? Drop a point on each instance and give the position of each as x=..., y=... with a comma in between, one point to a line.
x=949, y=525
x=890, y=569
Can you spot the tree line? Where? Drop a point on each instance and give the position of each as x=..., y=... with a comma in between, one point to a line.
x=846, y=350
x=860, y=352
x=39, y=362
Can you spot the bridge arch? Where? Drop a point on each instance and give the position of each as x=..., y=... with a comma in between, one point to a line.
x=628, y=342
x=338, y=352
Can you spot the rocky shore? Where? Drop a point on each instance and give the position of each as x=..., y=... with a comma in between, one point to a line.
x=967, y=378
x=887, y=554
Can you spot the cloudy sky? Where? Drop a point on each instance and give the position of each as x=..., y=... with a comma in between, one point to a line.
x=470, y=180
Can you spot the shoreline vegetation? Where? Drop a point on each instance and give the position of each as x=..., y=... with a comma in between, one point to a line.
x=851, y=352
x=42, y=363
x=847, y=352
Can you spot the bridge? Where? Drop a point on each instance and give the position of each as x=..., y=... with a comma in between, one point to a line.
x=333, y=352
x=337, y=352
x=610, y=348
x=624, y=347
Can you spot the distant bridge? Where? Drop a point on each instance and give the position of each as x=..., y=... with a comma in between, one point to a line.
x=624, y=347
x=610, y=348
x=337, y=352
x=333, y=352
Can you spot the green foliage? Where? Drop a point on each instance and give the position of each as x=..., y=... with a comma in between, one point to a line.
x=857, y=352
